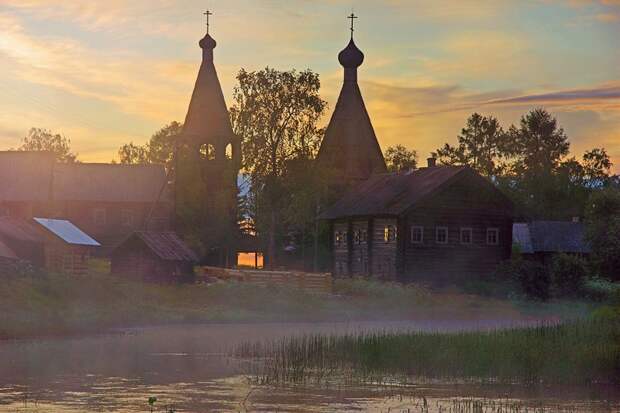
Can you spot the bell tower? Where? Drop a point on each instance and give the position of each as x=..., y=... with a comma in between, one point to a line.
x=207, y=164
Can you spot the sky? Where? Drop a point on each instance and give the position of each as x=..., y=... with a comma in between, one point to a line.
x=104, y=73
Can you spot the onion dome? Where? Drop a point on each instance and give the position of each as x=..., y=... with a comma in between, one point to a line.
x=351, y=57
x=207, y=42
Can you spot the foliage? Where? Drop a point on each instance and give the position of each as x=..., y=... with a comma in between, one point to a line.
x=276, y=114
x=531, y=164
x=481, y=145
x=131, y=153
x=158, y=150
x=603, y=231
x=399, y=158
x=575, y=353
x=568, y=275
x=529, y=277
x=45, y=140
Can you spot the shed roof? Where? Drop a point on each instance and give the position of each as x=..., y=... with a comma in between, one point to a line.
x=392, y=193
x=25, y=176
x=165, y=244
x=19, y=229
x=67, y=232
x=551, y=236
x=7, y=252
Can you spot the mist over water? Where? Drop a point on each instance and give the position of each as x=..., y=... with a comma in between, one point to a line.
x=189, y=367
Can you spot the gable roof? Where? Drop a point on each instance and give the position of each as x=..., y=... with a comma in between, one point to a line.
x=393, y=193
x=551, y=236
x=67, y=232
x=36, y=177
x=109, y=182
x=25, y=176
x=165, y=244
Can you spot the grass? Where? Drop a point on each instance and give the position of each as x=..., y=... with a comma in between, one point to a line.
x=45, y=305
x=580, y=352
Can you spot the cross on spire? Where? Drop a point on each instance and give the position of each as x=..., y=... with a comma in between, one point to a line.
x=352, y=17
x=208, y=13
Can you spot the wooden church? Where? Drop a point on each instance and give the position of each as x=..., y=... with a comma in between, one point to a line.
x=207, y=164
x=437, y=223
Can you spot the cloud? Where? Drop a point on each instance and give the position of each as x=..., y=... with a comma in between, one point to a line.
x=594, y=95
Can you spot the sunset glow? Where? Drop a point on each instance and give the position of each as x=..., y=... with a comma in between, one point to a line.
x=107, y=73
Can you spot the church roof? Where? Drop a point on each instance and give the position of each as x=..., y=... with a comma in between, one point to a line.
x=35, y=177
x=393, y=193
x=207, y=116
x=350, y=145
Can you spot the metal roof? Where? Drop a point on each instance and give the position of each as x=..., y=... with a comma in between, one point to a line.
x=551, y=236
x=67, y=232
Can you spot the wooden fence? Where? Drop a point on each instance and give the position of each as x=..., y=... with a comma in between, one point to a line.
x=317, y=282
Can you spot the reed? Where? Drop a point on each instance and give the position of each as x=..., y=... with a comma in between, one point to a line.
x=582, y=352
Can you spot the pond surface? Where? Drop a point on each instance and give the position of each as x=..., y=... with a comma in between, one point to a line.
x=187, y=367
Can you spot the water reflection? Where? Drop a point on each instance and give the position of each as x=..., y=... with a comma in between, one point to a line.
x=186, y=367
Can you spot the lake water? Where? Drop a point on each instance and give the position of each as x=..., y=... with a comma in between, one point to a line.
x=186, y=367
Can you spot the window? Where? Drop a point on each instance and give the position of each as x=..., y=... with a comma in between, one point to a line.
x=389, y=233
x=441, y=235
x=492, y=236
x=363, y=236
x=340, y=238
x=357, y=238
x=417, y=234
x=466, y=235
x=229, y=152
x=127, y=218
x=207, y=151
x=99, y=216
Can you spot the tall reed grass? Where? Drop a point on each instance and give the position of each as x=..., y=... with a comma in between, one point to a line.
x=580, y=352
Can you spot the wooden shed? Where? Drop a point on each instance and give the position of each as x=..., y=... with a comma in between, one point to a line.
x=542, y=240
x=154, y=256
x=67, y=248
x=54, y=244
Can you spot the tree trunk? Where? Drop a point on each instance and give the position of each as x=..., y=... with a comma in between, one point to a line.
x=271, y=250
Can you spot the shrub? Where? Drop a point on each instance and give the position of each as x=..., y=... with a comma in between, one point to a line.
x=568, y=274
x=529, y=277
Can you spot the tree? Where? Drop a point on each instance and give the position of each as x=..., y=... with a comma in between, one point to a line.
x=539, y=179
x=596, y=167
x=398, y=158
x=158, y=150
x=603, y=231
x=44, y=140
x=481, y=145
x=276, y=114
x=538, y=145
x=131, y=154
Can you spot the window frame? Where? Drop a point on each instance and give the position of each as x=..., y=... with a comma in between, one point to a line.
x=492, y=230
x=437, y=229
x=413, y=229
x=464, y=230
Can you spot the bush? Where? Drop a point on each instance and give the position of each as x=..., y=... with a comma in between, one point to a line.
x=568, y=274
x=531, y=278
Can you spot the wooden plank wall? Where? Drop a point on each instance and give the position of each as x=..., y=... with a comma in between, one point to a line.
x=383, y=253
x=316, y=282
